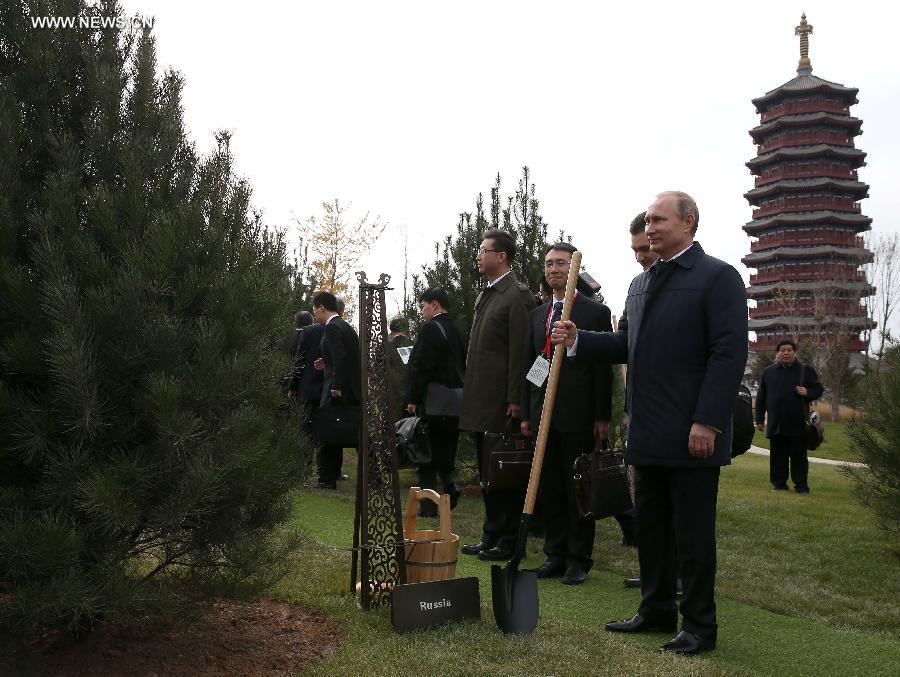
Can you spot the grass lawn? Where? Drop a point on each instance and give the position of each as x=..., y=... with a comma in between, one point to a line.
x=836, y=445
x=807, y=585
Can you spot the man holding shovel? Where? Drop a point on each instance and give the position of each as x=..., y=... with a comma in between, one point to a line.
x=684, y=337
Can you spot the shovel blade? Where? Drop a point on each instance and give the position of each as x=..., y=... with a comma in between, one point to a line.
x=515, y=597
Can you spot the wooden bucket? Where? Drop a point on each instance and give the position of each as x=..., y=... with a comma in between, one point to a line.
x=430, y=555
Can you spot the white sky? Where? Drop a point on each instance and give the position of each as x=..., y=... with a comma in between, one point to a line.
x=409, y=109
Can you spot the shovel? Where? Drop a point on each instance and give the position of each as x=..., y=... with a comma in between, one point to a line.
x=515, y=593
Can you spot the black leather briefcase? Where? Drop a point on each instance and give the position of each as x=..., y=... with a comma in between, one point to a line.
x=601, y=483
x=506, y=461
x=336, y=425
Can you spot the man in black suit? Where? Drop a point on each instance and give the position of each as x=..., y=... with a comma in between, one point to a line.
x=439, y=356
x=581, y=412
x=684, y=337
x=341, y=379
x=786, y=390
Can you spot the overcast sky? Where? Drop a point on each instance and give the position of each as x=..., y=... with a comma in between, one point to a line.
x=409, y=109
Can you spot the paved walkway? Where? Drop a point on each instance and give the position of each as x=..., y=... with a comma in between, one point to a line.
x=812, y=459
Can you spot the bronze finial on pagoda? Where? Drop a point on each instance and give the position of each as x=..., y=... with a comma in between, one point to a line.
x=804, y=30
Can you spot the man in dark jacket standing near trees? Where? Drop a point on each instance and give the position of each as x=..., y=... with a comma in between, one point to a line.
x=684, y=337
x=785, y=392
x=341, y=385
x=439, y=356
x=492, y=395
x=581, y=413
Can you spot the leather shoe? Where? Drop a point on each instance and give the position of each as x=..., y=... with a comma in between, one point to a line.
x=688, y=644
x=550, y=569
x=575, y=575
x=474, y=548
x=326, y=485
x=639, y=623
x=780, y=487
x=632, y=582
x=495, y=554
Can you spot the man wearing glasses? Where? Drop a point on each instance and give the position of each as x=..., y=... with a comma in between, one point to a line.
x=493, y=387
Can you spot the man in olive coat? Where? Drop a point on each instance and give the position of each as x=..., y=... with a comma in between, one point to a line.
x=492, y=395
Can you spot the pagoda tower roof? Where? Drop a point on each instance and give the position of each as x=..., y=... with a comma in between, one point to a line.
x=860, y=221
x=860, y=321
x=863, y=255
x=861, y=288
x=802, y=152
x=805, y=119
x=802, y=185
x=805, y=83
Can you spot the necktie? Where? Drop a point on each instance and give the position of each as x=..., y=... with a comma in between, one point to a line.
x=557, y=313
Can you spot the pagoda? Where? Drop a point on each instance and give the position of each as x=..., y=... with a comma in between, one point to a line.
x=807, y=220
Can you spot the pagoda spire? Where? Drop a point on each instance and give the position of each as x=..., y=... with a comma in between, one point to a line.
x=804, y=30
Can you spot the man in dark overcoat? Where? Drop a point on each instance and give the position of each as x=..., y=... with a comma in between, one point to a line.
x=684, y=336
x=341, y=379
x=492, y=395
x=786, y=390
x=581, y=413
x=439, y=356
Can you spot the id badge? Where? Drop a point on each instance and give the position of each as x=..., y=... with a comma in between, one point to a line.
x=539, y=371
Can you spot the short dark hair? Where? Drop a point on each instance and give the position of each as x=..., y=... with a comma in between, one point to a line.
x=503, y=242
x=436, y=294
x=340, y=305
x=786, y=342
x=303, y=319
x=561, y=246
x=397, y=324
x=638, y=223
x=325, y=299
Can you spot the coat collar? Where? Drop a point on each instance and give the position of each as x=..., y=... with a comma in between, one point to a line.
x=504, y=284
x=689, y=258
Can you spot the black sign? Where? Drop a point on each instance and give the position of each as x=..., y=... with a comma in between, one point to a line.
x=425, y=605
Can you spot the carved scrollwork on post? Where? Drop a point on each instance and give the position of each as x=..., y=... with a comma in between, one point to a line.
x=378, y=558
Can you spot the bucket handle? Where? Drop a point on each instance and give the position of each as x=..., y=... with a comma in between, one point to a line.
x=416, y=494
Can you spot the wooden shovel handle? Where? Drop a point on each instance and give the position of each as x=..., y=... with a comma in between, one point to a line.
x=550, y=397
x=443, y=505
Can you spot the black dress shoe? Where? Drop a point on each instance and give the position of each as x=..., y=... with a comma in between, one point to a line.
x=801, y=490
x=326, y=485
x=342, y=476
x=688, y=644
x=474, y=548
x=551, y=569
x=495, y=554
x=632, y=582
x=639, y=623
x=780, y=487
x=575, y=575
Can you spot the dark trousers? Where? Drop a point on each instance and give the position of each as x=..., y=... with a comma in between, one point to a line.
x=788, y=452
x=443, y=437
x=678, y=504
x=502, y=509
x=568, y=537
x=328, y=459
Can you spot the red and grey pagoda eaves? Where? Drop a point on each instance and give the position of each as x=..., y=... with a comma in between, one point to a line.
x=807, y=220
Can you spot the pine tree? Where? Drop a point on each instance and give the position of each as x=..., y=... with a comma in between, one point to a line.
x=875, y=437
x=145, y=448
x=454, y=267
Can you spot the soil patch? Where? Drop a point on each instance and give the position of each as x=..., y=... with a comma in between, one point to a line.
x=231, y=638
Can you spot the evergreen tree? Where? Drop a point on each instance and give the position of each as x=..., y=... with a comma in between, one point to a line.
x=454, y=267
x=875, y=437
x=144, y=444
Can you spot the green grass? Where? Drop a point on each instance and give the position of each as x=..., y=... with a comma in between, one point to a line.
x=807, y=585
x=836, y=445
